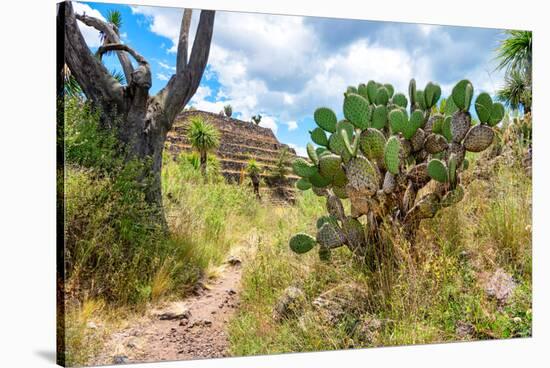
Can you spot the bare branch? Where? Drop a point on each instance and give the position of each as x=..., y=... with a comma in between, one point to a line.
x=96, y=81
x=111, y=36
x=121, y=47
x=184, y=83
x=183, y=43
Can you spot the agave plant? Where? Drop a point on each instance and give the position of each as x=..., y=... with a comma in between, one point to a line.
x=204, y=137
x=395, y=167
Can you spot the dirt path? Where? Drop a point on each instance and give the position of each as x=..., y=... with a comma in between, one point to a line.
x=195, y=327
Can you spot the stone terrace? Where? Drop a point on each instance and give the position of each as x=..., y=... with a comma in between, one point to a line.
x=239, y=141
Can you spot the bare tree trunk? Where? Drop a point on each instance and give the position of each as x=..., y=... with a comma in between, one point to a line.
x=203, y=160
x=140, y=121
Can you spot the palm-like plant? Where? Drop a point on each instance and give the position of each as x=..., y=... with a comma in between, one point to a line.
x=516, y=91
x=253, y=170
x=515, y=55
x=203, y=137
x=515, y=52
x=114, y=18
x=228, y=110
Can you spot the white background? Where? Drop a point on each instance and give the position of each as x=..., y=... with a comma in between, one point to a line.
x=27, y=181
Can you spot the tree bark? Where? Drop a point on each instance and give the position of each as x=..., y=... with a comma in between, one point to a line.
x=203, y=160
x=140, y=121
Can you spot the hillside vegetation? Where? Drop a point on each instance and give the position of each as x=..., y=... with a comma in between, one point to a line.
x=118, y=263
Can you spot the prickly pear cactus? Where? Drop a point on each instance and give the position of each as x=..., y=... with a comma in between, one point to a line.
x=380, y=156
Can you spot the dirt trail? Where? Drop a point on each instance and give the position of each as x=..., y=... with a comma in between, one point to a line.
x=195, y=327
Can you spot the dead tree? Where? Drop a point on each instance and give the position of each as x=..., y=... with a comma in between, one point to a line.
x=140, y=121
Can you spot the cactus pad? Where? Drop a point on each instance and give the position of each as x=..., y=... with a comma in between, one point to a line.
x=432, y=93
x=362, y=175
x=462, y=94
x=319, y=180
x=319, y=137
x=326, y=119
x=390, y=89
x=356, y=110
x=483, y=106
x=327, y=218
x=330, y=236
x=329, y=165
x=379, y=117
x=335, y=207
x=340, y=191
x=497, y=114
x=417, y=140
x=382, y=96
x=303, y=168
x=478, y=138
x=302, y=243
x=312, y=154
x=460, y=124
x=435, y=143
x=392, y=154
x=372, y=143
x=438, y=171
x=400, y=100
x=303, y=184
x=372, y=90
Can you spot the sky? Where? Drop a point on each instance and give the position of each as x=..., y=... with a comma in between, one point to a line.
x=284, y=67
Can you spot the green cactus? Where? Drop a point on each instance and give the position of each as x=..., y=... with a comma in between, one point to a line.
x=303, y=168
x=391, y=155
x=438, y=170
x=330, y=165
x=372, y=143
x=319, y=137
x=372, y=90
x=312, y=154
x=356, y=110
x=400, y=100
x=303, y=184
x=326, y=119
x=302, y=243
x=462, y=94
x=432, y=93
x=401, y=123
x=381, y=156
x=379, y=117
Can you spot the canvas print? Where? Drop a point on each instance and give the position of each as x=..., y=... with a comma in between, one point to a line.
x=238, y=184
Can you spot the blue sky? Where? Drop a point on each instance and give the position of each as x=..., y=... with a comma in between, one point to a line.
x=284, y=67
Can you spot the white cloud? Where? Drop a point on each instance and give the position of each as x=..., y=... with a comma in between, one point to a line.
x=277, y=65
x=292, y=125
x=166, y=66
x=269, y=122
x=91, y=35
x=300, y=151
x=162, y=77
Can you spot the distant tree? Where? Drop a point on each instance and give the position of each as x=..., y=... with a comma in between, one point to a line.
x=516, y=91
x=228, y=110
x=257, y=119
x=515, y=52
x=203, y=137
x=281, y=169
x=253, y=170
x=515, y=56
